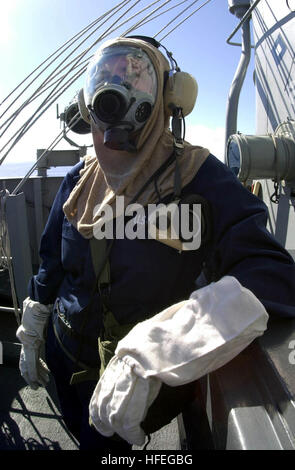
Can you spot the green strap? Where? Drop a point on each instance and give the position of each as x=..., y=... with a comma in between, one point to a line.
x=99, y=254
x=77, y=377
x=100, y=260
x=85, y=375
x=112, y=330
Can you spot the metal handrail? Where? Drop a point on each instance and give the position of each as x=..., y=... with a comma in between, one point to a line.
x=237, y=83
x=244, y=18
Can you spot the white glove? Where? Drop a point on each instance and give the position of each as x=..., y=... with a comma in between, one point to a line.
x=177, y=346
x=31, y=335
x=120, y=401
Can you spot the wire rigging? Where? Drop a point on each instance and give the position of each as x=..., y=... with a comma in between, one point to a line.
x=53, y=144
x=70, y=68
x=71, y=40
x=147, y=16
x=181, y=22
x=21, y=131
x=110, y=13
x=173, y=19
x=81, y=55
x=142, y=23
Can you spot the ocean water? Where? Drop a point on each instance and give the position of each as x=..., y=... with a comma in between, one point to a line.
x=20, y=169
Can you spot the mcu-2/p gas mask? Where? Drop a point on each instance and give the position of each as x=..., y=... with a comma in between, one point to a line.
x=120, y=92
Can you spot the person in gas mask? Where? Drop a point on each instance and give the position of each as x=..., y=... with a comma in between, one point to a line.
x=129, y=328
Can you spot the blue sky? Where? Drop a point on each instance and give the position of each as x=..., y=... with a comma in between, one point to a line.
x=33, y=29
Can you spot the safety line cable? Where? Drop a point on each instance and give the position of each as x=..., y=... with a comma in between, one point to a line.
x=99, y=39
x=173, y=19
x=38, y=92
x=122, y=4
x=59, y=87
x=53, y=144
x=64, y=59
x=181, y=22
x=71, y=41
x=139, y=12
x=37, y=95
x=81, y=55
x=112, y=30
x=147, y=16
x=108, y=31
x=26, y=126
x=142, y=23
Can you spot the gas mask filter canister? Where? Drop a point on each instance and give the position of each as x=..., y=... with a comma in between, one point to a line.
x=120, y=93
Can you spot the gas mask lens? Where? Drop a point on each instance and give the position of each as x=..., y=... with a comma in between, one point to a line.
x=121, y=88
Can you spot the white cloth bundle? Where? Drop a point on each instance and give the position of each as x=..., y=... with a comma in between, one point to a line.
x=177, y=346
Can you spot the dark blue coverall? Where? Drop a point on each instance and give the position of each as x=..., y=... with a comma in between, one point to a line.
x=148, y=276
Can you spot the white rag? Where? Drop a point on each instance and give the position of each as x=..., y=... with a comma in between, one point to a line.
x=177, y=346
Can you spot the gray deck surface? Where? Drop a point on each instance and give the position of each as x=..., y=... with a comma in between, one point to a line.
x=31, y=420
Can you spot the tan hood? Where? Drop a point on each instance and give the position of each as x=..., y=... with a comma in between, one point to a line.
x=111, y=173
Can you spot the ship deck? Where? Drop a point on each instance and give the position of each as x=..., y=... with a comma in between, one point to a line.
x=31, y=419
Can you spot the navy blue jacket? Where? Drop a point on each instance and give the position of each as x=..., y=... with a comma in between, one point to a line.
x=148, y=276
